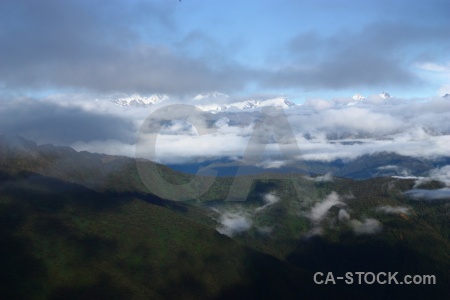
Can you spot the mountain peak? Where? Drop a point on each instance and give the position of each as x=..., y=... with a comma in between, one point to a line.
x=358, y=97
x=210, y=95
x=140, y=101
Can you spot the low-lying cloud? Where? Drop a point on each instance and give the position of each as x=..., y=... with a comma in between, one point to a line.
x=268, y=199
x=328, y=177
x=416, y=128
x=240, y=219
x=429, y=195
x=343, y=215
x=234, y=223
x=367, y=226
x=388, y=209
x=441, y=174
x=320, y=210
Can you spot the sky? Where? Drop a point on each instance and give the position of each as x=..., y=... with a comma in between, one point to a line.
x=302, y=49
x=60, y=62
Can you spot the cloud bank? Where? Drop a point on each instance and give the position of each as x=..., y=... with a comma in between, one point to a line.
x=409, y=127
x=429, y=195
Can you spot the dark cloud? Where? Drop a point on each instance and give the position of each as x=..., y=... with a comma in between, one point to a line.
x=102, y=46
x=380, y=54
x=47, y=122
x=140, y=47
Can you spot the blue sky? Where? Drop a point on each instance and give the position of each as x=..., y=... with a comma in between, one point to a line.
x=303, y=49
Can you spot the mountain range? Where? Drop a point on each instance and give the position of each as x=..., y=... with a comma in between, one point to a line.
x=217, y=101
x=80, y=225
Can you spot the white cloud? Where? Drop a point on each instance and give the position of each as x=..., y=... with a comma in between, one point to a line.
x=266, y=230
x=320, y=210
x=444, y=89
x=328, y=177
x=234, y=223
x=421, y=194
x=394, y=209
x=271, y=164
x=417, y=128
x=343, y=215
x=320, y=104
x=433, y=67
x=441, y=174
x=367, y=226
x=240, y=219
x=269, y=199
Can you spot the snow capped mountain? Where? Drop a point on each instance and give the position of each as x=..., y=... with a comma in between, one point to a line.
x=279, y=101
x=385, y=95
x=446, y=96
x=212, y=102
x=358, y=97
x=373, y=99
x=140, y=101
x=249, y=104
x=213, y=95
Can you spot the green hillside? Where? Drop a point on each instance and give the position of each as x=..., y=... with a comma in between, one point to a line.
x=62, y=240
x=78, y=225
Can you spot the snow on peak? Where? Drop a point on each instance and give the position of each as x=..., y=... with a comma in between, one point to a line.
x=248, y=104
x=251, y=104
x=140, y=101
x=210, y=95
x=446, y=96
x=279, y=101
x=358, y=97
x=385, y=95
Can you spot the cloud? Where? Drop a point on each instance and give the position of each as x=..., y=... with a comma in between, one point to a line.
x=149, y=46
x=328, y=177
x=367, y=226
x=372, y=56
x=271, y=164
x=46, y=121
x=79, y=47
x=265, y=230
x=429, y=195
x=233, y=223
x=343, y=215
x=441, y=174
x=241, y=219
x=268, y=199
x=388, y=209
x=416, y=128
x=320, y=104
x=433, y=67
x=320, y=209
